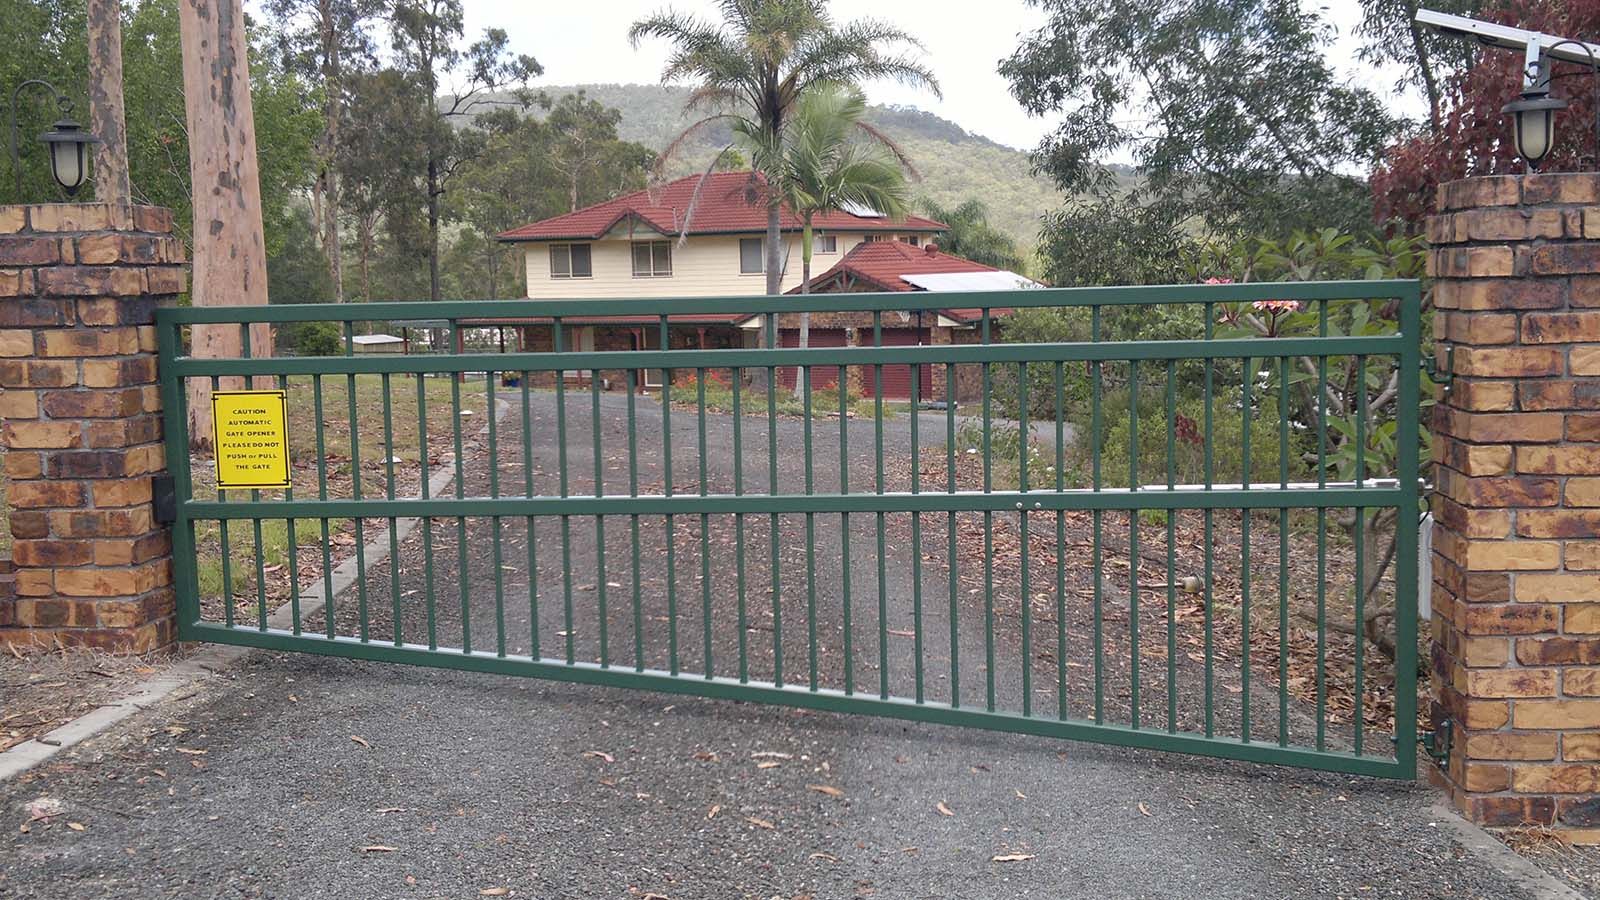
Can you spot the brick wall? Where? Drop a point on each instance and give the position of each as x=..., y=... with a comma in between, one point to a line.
x=79, y=285
x=1516, y=563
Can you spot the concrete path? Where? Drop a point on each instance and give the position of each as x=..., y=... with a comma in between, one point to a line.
x=300, y=777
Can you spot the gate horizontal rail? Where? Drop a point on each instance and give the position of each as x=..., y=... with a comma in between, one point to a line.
x=784, y=558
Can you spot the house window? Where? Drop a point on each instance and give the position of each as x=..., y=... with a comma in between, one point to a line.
x=914, y=241
x=652, y=259
x=752, y=256
x=873, y=239
x=824, y=243
x=571, y=261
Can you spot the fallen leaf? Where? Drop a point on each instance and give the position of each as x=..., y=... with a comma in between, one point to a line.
x=494, y=892
x=1144, y=809
x=715, y=808
x=760, y=823
x=598, y=754
x=378, y=848
x=943, y=810
x=830, y=790
x=1011, y=857
x=770, y=754
x=767, y=765
x=1020, y=795
x=77, y=826
x=360, y=740
x=390, y=809
x=190, y=752
x=827, y=856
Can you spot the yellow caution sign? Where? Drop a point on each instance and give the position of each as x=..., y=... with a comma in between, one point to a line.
x=251, y=434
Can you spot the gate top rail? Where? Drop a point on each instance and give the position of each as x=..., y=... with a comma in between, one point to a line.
x=1083, y=297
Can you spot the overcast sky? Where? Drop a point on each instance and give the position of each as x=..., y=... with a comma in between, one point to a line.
x=586, y=42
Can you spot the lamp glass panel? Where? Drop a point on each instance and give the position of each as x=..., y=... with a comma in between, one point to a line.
x=1534, y=133
x=66, y=163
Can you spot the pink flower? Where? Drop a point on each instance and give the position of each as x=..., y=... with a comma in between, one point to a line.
x=1218, y=281
x=1277, y=306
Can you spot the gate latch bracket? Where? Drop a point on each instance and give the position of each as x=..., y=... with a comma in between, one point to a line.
x=1443, y=377
x=164, y=497
x=1437, y=742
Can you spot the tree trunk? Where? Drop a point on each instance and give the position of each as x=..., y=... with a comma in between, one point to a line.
x=805, y=291
x=230, y=262
x=774, y=238
x=365, y=238
x=433, y=230
x=106, y=119
x=572, y=192
x=328, y=177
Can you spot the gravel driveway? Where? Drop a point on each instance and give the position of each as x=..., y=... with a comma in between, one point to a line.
x=301, y=777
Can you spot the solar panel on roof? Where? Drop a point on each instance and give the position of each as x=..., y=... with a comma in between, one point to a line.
x=971, y=281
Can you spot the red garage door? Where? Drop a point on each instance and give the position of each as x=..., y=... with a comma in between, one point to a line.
x=821, y=376
x=897, y=379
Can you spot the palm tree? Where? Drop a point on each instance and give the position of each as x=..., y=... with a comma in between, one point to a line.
x=751, y=69
x=970, y=236
x=826, y=159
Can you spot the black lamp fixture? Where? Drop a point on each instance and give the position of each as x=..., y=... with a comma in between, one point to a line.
x=66, y=141
x=1533, y=116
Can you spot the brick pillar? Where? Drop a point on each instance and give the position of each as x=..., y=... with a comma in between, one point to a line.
x=79, y=285
x=1516, y=566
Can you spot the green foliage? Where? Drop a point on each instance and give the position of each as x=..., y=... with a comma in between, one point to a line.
x=1236, y=120
x=315, y=339
x=972, y=237
x=297, y=273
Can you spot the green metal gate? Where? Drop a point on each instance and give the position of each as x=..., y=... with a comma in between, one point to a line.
x=1153, y=544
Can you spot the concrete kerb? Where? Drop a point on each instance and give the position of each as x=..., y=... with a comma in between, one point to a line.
x=313, y=598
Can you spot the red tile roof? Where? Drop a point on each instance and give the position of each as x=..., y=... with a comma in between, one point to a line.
x=882, y=263
x=724, y=207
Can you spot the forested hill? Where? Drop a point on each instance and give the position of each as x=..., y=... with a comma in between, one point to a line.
x=955, y=164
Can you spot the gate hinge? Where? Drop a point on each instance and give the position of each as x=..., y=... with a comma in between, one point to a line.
x=1437, y=742
x=164, y=497
x=1448, y=374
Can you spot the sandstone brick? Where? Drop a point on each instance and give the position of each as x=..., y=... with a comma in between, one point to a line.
x=13, y=219
x=1511, y=683
x=97, y=582
x=1565, y=459
x=88, y=464
x=1500, y=224
x=124, y=432
x=1558, y=523
x=1583, y=682
x=1526, y=490
x=1583, y=427
x=130, y=522
x=70, y=217
x=1510, y=619
x=1560, y=328
x=90, y=281
x=35, y=582
x=42, y=435
x=1483, y=396
x=164, y=280
x=16, y=342
x=45, y=494
x=152, y=218
x=131, y=551
x=1503, y=428
x=1485, y=652
x=1477, y=328
x=35, y=312
x=1509, y=362
x=29, y=523
x=1560, y=259
x=1470, y=193
x=1556, y=714
x=132, y=311
x=1476, y=460
x=116, y=403
x=38, y=373
x=1561, y=588
x=1576, y=619
x=1557, y=779
x=1468, y=522
x=1562, y=187
x=119, y=372
x=1504, y=811
x=29, y=251
x=1581, y=812
x=11, y=282
x=1558, y=651
x=44, y=613
x=1563, y=394
x=1512, y=555
x=90, y=342
x=1580, y=746
x=121, y=492
x=1498, y=294
x=19, y=404
x=1512, y=746
x=1581, y=556
x=1486, y=715
x=19, y=466
x=1484, y=777
x=47, y=553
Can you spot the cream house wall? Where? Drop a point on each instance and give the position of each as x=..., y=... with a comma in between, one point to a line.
x=704, y=266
